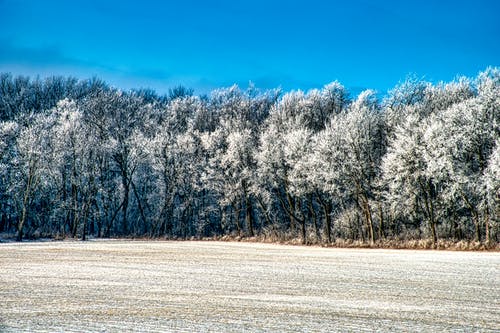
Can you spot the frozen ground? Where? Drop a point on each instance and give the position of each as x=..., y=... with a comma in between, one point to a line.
x=126, y=286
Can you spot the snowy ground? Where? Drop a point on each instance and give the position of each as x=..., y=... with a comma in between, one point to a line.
x=128, y=286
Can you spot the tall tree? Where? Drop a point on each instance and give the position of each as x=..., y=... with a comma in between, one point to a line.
x=30, y=165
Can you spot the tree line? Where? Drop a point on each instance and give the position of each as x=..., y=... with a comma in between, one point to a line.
x=79, y=158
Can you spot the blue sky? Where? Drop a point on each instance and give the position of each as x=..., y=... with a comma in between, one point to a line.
x=209, y=44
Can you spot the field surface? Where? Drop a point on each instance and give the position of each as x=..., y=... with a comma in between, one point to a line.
x=131, y=286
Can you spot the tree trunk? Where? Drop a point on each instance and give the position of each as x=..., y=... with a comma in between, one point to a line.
x=141, y=209
x=3, y=220
x=84, y=219
x=327, y=208
x=433, y=223
x=434, y=233
x=92, y=227
x=475, y=217
x=360, y=227
x=328, y=222
x=487, y=226
x=24, y=212
x=303, y=227
x=20, y=225
x=74, y=226
x=294, y=219
x=291, y=207
x=312, y=212
x=125, y=203
x=264, y=211
x=381, y=233
x=67, y=215
x=249, y=215
x=428, y=192
x=304, y=234
x=237, y=209
x=368, y=217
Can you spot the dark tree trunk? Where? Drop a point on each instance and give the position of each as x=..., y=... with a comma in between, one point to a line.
x=291, y=209
x=487, y=226
x=20, y=226
x=264, y=212
x=125, y=203
x=141, y=210
x=237, y=209
x=303, y=227
x=24, y=212
x=249, y=215
x=314, y=217
x=327, y=209
x=381, y=232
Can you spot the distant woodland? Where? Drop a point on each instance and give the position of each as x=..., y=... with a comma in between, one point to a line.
x=81, y=159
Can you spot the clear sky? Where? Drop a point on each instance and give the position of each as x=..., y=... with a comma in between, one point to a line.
x=209, y=44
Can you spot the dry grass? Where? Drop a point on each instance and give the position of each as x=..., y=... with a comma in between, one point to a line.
x=272, y=236
x=136, y=286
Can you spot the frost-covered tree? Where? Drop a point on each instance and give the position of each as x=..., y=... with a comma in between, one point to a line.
x=166, y=165
x=91, y=160
x=421, y=168
x=460, y=140
x=9, y=131
x=29, y=167
x=20, y=95
x=284, y=144
x=491, y=183
x=117, y=116
x=412, y=192
x=76, y=159
x=237, y=166
x=231, y=167
x=402, y=100
x=347, y=154
x=296, y=150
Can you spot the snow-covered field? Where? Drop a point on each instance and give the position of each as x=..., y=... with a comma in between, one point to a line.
x=131, y=286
